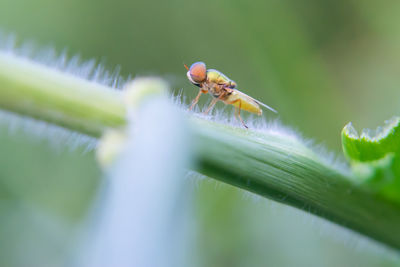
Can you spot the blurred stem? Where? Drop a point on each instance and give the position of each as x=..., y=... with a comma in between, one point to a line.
x=276, y=166
x=37, y=91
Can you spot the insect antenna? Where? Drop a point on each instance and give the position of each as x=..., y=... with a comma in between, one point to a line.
x=186, y=66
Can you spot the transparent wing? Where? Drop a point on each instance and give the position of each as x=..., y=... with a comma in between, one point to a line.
x=265, y=106
x=258, y=102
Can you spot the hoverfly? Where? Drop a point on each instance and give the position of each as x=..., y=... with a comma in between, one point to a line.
x=221, y=88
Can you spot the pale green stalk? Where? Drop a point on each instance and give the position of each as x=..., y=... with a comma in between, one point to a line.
x=37, y=91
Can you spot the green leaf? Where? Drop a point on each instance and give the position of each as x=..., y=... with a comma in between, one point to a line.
x=375, y=157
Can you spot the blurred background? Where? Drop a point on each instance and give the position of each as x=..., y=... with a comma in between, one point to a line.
x=321, y=64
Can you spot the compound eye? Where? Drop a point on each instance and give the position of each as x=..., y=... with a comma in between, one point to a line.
x=198, y=72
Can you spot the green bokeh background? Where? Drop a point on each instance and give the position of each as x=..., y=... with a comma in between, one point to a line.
x=321, y=64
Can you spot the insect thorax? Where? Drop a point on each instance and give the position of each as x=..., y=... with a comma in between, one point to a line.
x=214, y=76
x=217, y=90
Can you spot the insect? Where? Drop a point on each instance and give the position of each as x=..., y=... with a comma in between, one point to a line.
x=221, y=88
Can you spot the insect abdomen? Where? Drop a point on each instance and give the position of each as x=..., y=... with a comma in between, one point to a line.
x=243, y=101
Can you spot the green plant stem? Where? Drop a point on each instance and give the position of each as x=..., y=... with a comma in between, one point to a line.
x=37, y=91
x=276, y=166
x=283, y=169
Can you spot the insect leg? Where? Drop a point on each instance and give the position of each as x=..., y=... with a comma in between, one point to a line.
x=194, y=102
x=237, y=111
x=212, y=104
x=241, y=120
x=214, y=101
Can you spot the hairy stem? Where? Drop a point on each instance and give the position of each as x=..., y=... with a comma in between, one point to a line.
x=273, y=165
x=37, y=91
x=283, y=169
